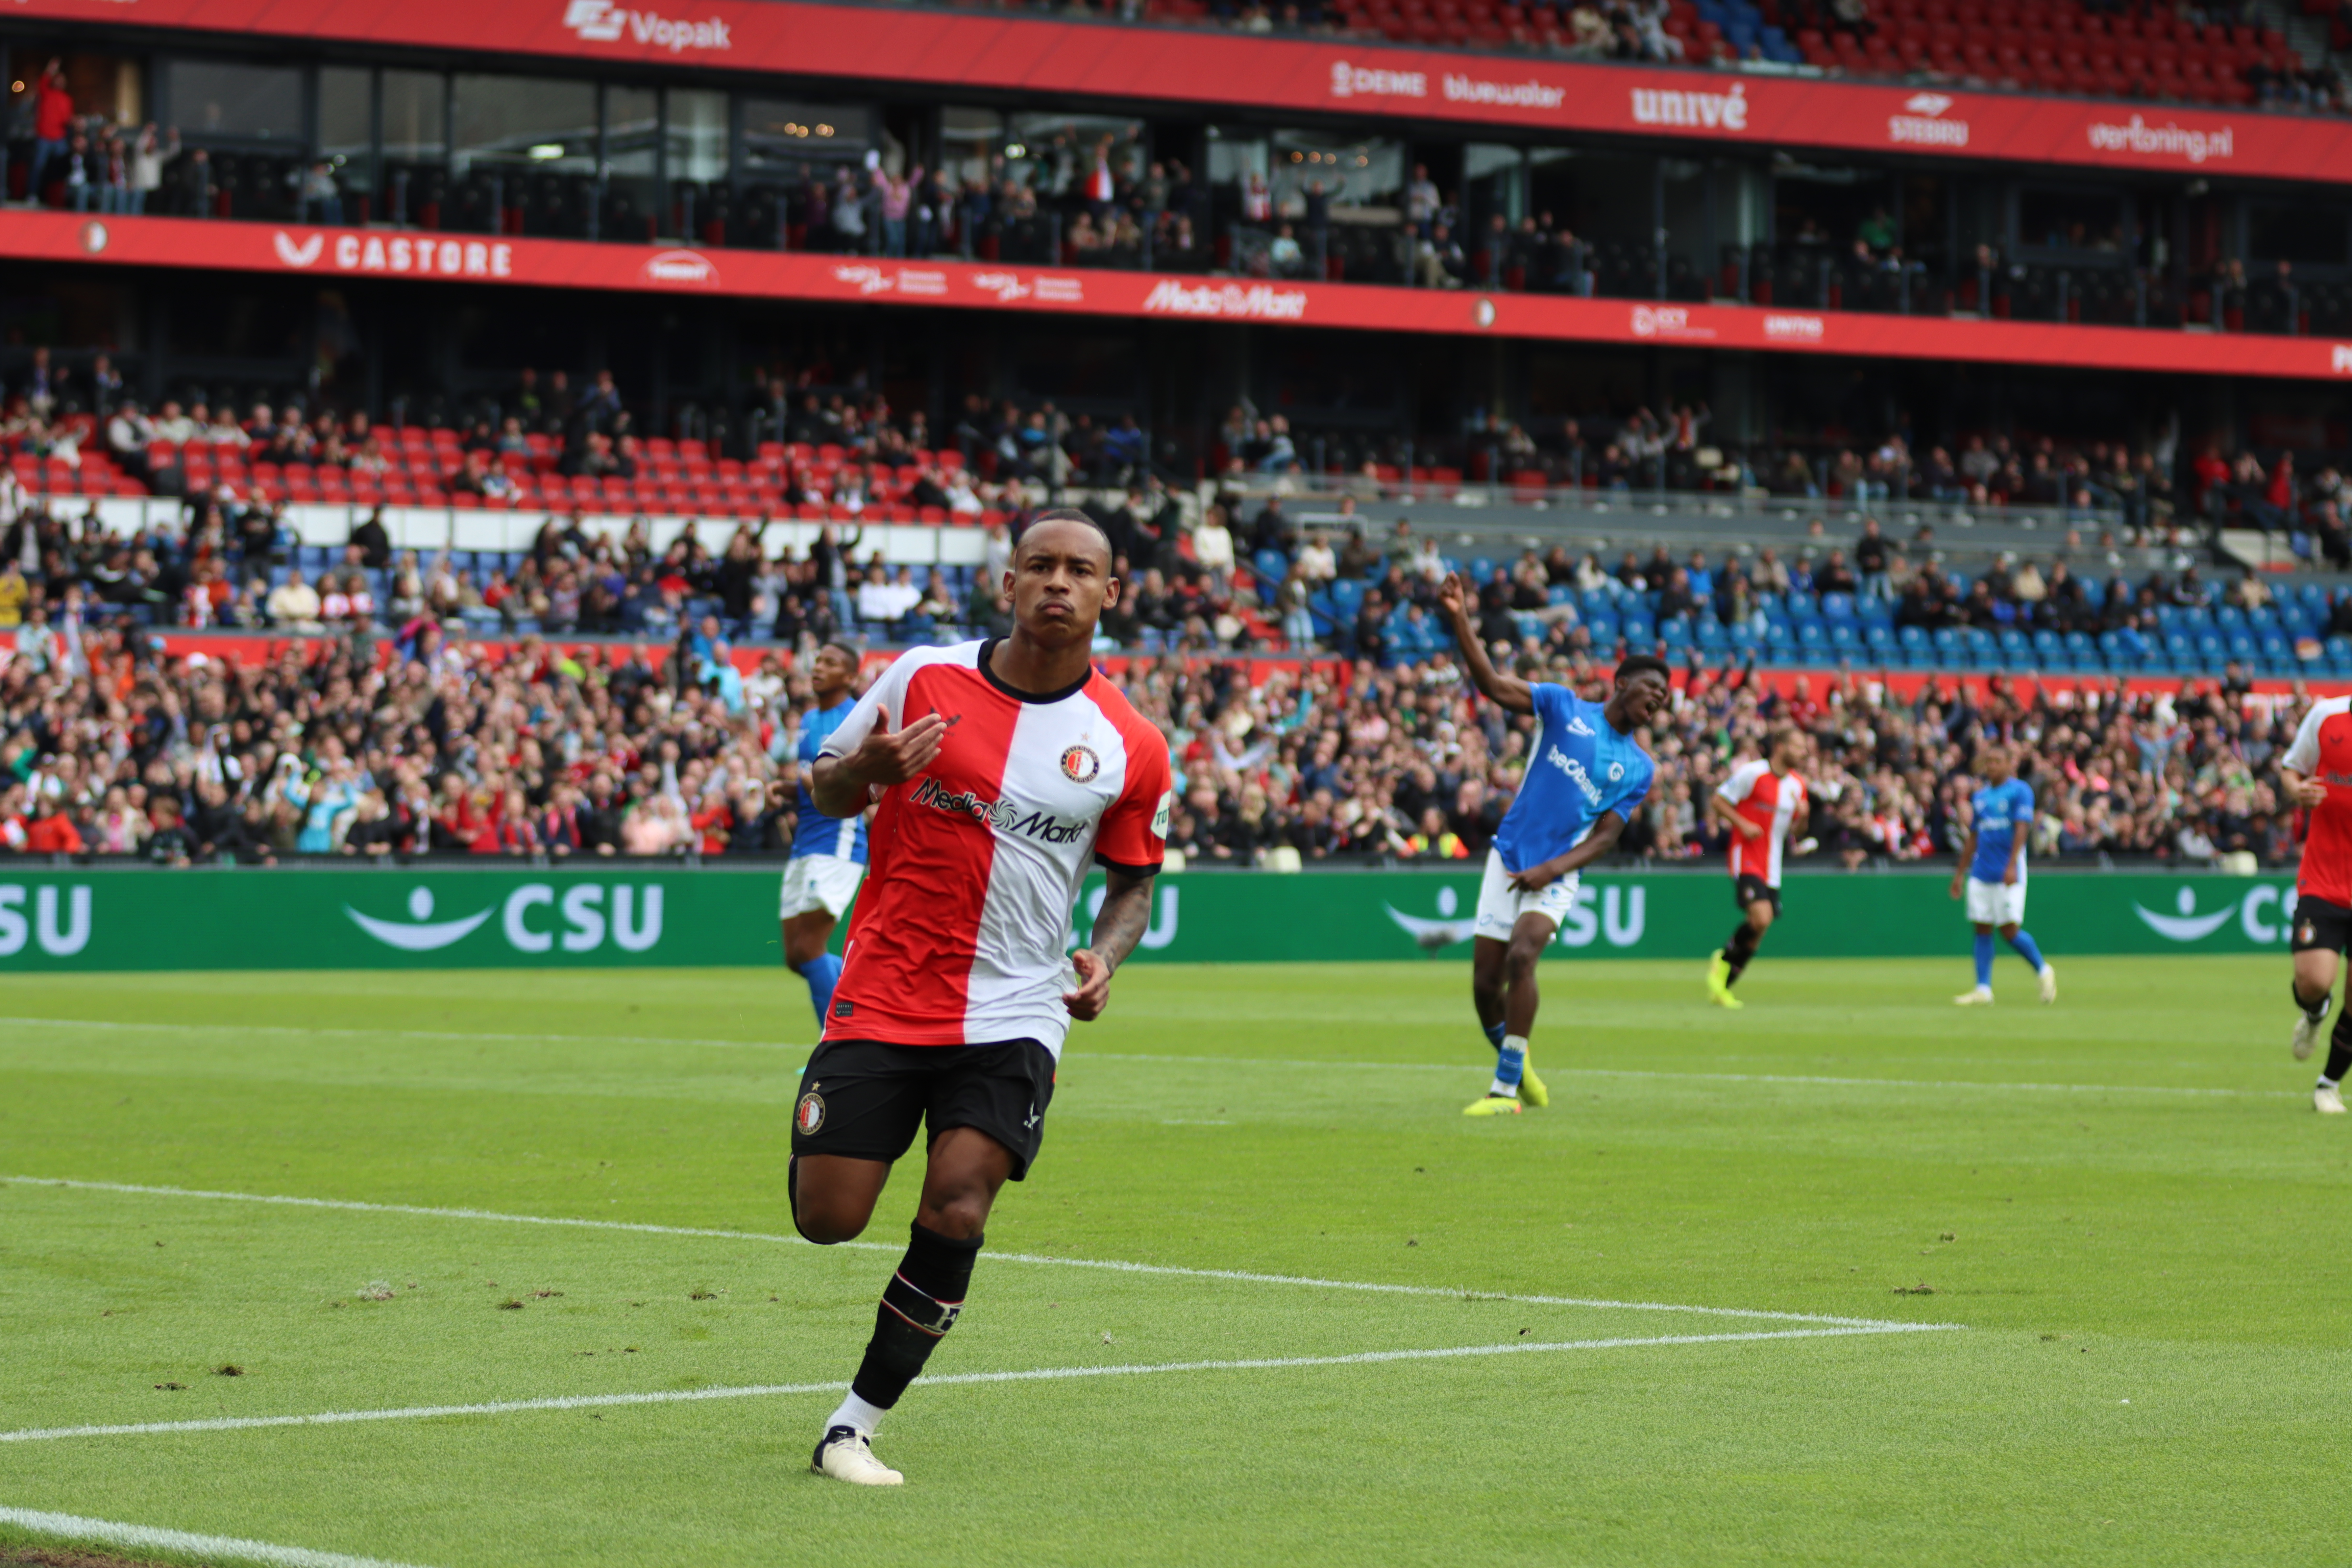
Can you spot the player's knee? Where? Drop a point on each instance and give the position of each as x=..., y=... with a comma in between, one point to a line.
x=827, y=1225
x=1760, y=919
x=957, y=1216
x=1520, y=963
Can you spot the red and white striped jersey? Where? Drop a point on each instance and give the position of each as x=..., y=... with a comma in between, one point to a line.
x=2322, y=751
x=974, y=864
x=1771, y=802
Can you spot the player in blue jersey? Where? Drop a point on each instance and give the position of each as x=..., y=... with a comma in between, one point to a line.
x=1586, y=775
x=1991, y=872
x=828, y=852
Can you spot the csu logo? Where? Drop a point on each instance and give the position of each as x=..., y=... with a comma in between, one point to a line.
x=2263, y=917
x=533, y=919
x=58, y=938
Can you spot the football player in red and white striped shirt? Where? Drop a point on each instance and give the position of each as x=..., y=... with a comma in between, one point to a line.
x=1764, y=805
x=2317, y=771
x=1003, y=770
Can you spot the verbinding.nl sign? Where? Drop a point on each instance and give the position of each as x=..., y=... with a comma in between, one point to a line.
x=602, y=915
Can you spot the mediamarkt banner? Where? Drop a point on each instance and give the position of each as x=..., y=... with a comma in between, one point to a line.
x=1063, y=60
x=402, y=918
x=410, y=256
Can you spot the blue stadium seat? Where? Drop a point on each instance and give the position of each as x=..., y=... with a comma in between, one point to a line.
x=1708, y=633
x=1674, y=631
x=2238, y=646
x=1812, y=639
x=2082, y=653
x=1951, y=649
x=1560, y=594
x=2339, y=653
x=1272, y=565
x=2274, y=653
x=1837, y=607
x=1879, y=640
x=1602, y=627
x=1640, y=631
x=1844, y=639
x=1769, y=605
x=1482, y=570
x=1802, y=606
x=2178, y=651
x=2230, y=618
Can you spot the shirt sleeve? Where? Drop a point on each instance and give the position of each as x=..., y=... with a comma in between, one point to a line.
x=883, y=704
x=2020, y=804
x=1133, y=837
x=1742, y=782
x=2304, y=755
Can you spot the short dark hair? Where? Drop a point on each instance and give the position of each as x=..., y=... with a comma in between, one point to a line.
x=1072, y=514
x=844, y=649
x=1636, y=664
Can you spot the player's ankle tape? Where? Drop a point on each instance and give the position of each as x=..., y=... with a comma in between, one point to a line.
x=918, y=1310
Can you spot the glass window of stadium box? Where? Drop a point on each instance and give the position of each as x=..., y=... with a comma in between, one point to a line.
x=695, y=164
x=1494, y=196
x=1600, y=209
x=104, y=85
x=522, y=154
x=2296, y=255
x=415, y=122
x=2071, y=252
x=1343, y=199
x=346, y=142
x=248, y=121
x=630, y=178
x=1069, y=180
x=802, y=165
x=1837, y=234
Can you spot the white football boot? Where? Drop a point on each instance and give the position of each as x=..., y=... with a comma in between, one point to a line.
x=847, y=1455
x=2327, y=1101
x=1980, y=997
x=2049, y=978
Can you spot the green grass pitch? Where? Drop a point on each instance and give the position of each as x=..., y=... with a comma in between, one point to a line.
x=2123, y=1204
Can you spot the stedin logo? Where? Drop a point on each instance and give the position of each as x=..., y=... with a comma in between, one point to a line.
x=602, y=22
x=1924, y=123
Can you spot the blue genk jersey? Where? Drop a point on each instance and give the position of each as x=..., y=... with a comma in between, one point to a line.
x=814, y=833
x=1579, y=768
x=2002, y=811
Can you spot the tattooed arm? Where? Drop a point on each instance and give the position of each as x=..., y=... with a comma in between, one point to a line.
x=1126, y=911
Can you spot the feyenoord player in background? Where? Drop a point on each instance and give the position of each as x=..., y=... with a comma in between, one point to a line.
x=1004, y=769
x=1763, y=804
x=1586, y=774
x=2317, y=769
x=1992, y=871
x=828, y=853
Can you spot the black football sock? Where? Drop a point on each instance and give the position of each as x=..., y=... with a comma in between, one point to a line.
x=2339, y=1049
x=1737, y=950
x=2315, y=1011
x=918, y=1307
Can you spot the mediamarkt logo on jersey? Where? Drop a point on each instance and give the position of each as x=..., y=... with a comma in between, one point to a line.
x=602, y=22
x=1002, y=815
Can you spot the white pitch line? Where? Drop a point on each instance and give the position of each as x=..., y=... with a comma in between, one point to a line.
x=1090, y=1058
x=134, y=1028
x=111, y=1533
x=953, y=1379
x=1109, y=1265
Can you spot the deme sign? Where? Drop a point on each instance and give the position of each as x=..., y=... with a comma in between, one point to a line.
x=395, y=917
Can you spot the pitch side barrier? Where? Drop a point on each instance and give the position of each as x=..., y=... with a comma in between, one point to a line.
x=90, y=918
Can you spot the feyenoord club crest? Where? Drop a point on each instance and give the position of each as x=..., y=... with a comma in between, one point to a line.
x=809, y=1114
x=1079, y=764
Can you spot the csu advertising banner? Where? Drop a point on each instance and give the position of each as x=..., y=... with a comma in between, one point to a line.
x=434, y=918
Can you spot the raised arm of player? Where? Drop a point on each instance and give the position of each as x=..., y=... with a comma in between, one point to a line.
x=1606, y=829
x=1506, y=692
x=1126, y=913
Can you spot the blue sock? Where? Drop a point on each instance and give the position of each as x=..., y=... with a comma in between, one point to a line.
x=2023, y=943
x=821, y=972
x=1494, y=1033
x=1984, y=958
x=1510, y=1061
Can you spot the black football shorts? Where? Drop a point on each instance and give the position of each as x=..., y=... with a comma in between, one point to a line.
x=2320, y=924
x=864, y=1099
x=1748, y=887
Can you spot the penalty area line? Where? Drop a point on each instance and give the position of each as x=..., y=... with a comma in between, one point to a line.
x=1108, y=1265
x=107, y=1533
x=952, y=1380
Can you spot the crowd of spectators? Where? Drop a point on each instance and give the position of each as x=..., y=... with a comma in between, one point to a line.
x=437, y=744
